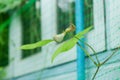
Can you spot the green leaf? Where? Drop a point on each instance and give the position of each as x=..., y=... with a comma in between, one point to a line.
x=83, y=32
x=35, y=45
x=70, y=43
x=64, y=47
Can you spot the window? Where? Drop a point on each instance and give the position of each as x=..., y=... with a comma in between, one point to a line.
x=4, y=37
x=65, y=15
x=88, y=13
x=31, y=28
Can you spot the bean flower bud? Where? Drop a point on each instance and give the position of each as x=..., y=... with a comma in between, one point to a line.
x=59, y=37
x=71, y=28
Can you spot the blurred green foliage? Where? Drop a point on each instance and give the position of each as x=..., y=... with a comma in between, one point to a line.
x=4, y=48
x=2, y=73
x=4, y=41
x=6, y=5
x=20, y=6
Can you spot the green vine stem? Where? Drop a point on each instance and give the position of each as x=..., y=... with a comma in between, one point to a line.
x=95, y=73
x=101, y=64
x=86, y=52
x=94, y=52
x=98, y=63
x=109, y=57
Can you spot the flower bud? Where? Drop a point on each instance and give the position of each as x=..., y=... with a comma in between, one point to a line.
x=59, y=37
x=71, y=28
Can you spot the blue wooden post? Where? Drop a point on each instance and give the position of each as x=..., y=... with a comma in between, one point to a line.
x=80, y=27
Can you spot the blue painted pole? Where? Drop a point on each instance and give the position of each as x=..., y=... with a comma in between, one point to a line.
x=79, y=27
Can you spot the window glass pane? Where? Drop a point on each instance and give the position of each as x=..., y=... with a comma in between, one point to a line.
x=31, y=28
x=88, y=13
x=65, y=15
x=4, y=37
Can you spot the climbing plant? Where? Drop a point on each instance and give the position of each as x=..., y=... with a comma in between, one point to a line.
x=69, y=44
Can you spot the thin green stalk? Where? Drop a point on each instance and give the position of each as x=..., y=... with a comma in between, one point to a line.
x=108, y=57
x=86, y=52
x=103, y=63
x=99, y=64
x=91, y=49
x=95, y=73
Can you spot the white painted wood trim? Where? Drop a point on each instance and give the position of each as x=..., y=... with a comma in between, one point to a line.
x=113, y=15
x=96, y=37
